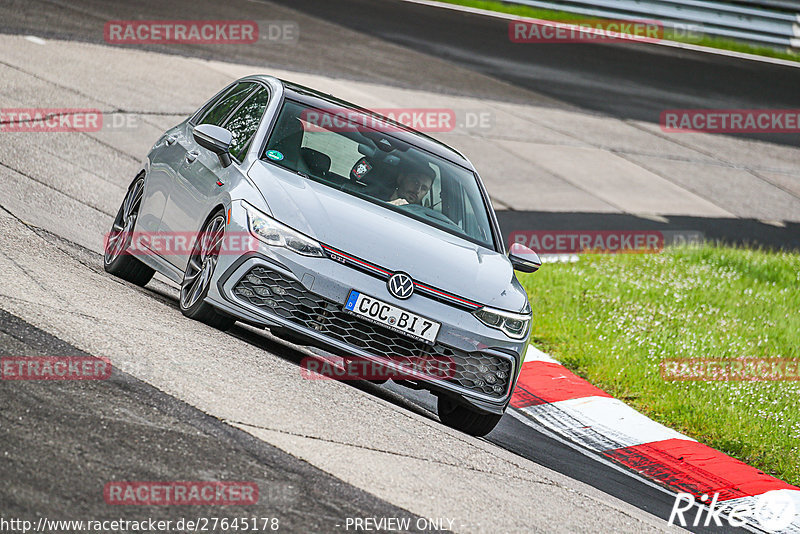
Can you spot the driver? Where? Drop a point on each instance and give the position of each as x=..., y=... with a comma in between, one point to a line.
x=413, y=183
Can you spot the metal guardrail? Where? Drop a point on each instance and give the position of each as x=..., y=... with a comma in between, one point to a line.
x=786, y=5
x=758, y=25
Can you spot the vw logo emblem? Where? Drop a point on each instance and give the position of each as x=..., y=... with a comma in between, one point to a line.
x=400, y=285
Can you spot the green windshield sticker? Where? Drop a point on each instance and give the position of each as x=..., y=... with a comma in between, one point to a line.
x=274, y=154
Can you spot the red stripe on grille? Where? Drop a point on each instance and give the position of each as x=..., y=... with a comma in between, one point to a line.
x=448, y=295
x=351, y=258
x=389, y=273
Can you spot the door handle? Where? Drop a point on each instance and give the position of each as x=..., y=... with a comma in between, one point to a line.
x=191, y=156
x=171, y=140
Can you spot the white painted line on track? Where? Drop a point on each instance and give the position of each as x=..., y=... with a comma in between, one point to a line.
x=34, y=39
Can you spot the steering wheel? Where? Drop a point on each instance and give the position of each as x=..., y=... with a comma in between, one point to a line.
x=430, y=214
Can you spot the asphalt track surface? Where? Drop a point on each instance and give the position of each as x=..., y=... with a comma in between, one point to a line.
x=623, y=80
x=51, y=434
x=61, y=442
x=629, y=81
x=126, y=429
x=408, y=45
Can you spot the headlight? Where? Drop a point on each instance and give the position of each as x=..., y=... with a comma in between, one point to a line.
x=276, y=234
x=514, y=325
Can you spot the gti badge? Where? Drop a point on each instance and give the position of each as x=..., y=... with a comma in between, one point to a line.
x=400, y=285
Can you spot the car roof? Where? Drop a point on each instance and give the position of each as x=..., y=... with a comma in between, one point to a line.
x=318, y=99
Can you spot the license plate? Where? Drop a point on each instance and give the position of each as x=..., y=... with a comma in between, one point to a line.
x=392, y=317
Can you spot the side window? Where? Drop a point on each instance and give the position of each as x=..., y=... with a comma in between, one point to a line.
x=208, y=105
x=217, y=114
x=244, y=122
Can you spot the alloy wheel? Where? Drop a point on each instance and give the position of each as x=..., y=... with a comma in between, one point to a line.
x=202, y=262
x=121, y=233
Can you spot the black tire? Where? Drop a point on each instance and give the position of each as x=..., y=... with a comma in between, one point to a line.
x=373, y=368
x=115, y=259
x=199, y=272
x=466, y=419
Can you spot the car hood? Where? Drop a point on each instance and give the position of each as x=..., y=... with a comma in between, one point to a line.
x=388, y=239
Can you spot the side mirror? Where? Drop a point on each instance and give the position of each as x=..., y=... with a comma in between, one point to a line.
x=217, y=140
x=524, y=259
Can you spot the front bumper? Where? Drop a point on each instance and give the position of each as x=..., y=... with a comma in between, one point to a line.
x=306, y=295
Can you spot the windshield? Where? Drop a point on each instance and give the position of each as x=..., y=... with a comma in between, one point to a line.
x=355, y=153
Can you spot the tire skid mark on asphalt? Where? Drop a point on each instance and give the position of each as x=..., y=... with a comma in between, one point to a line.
x=244, y=426
x=55, y=84
x=60, y=192
x=714, y=156
x=92, y=98
x=629, y=155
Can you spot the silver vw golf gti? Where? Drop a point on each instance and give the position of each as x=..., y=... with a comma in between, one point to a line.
x=335, y=227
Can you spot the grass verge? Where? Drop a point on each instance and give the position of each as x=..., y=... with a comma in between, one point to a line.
x=613, y=319
x=562, y=16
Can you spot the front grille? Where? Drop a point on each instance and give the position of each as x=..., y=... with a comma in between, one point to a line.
x=289, y=299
